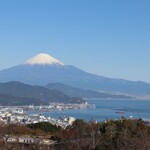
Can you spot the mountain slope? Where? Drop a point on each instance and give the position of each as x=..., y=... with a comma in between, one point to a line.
x=41, y=71
x=43, y=74
x=38, y=95
x=9, y=100
x=77, y=92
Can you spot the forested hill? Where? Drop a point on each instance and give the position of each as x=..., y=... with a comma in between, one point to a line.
x=16, y=93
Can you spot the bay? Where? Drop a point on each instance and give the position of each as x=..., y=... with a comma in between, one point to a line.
x=108, y=109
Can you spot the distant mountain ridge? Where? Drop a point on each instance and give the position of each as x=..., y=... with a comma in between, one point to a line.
x=19, y=93
x=43, y=69
x=77, y=92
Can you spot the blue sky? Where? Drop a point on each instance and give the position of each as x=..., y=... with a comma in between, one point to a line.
x=105, y=37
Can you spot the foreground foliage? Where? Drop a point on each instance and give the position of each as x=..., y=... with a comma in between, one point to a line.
x=121, y=134
x=111, y=135
x=44, y=126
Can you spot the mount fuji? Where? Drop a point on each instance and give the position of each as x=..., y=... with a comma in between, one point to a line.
x=43, y=69
x=43, y=59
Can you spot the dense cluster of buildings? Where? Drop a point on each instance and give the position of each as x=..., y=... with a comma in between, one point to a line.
x=18, y=115
x=57, y=107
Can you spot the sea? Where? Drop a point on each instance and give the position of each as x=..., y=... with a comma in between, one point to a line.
x=108, y=109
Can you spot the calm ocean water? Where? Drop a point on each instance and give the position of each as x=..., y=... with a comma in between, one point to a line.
x=108, y=109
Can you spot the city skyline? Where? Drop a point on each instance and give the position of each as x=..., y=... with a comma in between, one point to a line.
x=105, y=38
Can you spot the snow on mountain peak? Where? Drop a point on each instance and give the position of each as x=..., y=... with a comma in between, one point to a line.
x=43, y=59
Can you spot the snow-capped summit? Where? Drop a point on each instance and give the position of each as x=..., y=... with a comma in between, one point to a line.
x=43, y=59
